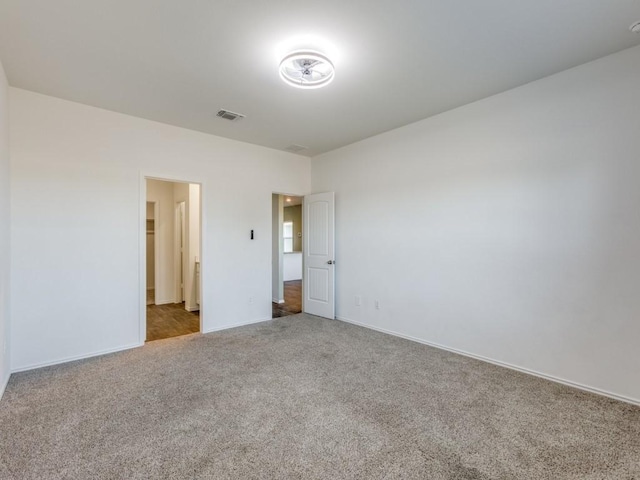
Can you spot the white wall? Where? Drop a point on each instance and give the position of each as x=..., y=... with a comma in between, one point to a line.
x=180, y=194
x=78, y=218
x=292, y=266
x=190, y=195
x=193, y=222
x=5, y=253
x=508, y=228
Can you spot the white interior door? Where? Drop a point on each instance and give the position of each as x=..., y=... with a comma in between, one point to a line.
x=319, y=261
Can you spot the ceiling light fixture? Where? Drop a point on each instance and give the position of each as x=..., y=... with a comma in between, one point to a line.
x=307, y=69
x=635, y=28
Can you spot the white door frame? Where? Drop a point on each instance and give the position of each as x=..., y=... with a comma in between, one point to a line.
x=142, y=247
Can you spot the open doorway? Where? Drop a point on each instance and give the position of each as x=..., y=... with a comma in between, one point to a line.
x=286, y=255
x=173, y=226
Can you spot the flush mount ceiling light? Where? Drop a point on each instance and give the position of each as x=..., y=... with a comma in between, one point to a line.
x=306, y=70
x=635, y=28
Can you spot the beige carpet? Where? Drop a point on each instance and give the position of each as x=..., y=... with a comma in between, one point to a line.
x=302, y=397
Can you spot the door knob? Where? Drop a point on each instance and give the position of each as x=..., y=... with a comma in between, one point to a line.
x=331, y=262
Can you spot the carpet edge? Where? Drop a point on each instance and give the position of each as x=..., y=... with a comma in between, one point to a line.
x=551, y=378
x=76, y=357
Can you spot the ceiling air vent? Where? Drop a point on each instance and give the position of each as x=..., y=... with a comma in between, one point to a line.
x=295, y=148
x=227, y=115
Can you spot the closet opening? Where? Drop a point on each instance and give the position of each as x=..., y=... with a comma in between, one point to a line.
x=173, y=230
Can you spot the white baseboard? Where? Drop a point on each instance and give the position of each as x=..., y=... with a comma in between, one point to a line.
x=165, y=302
x=510, y=366
x=192, y=309
x=76, y=357
x=3, y=387
x=277, y=301
x=118, y=349
x=234, y=325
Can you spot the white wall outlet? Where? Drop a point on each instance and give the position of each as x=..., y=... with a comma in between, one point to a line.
x=377, y=304
x=358, y=300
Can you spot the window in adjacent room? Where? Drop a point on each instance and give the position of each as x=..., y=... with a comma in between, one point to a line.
x=288, y=236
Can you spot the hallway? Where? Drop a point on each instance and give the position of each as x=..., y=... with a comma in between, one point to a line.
x=292, y=300
x=170, y=320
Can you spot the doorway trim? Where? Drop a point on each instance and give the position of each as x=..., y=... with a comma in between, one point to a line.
x=299, y=195
x=142, y=246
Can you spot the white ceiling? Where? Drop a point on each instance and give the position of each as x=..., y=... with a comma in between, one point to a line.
x=396, y=62
x=290, y=201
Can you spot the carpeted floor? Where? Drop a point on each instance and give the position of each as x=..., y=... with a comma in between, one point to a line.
x=302, y=397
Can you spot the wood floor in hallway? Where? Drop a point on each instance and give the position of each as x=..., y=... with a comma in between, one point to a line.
x=170, y=320
x=292, y=300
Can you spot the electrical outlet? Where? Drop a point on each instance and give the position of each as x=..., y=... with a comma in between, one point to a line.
x=358, y=300
x=377, y=304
